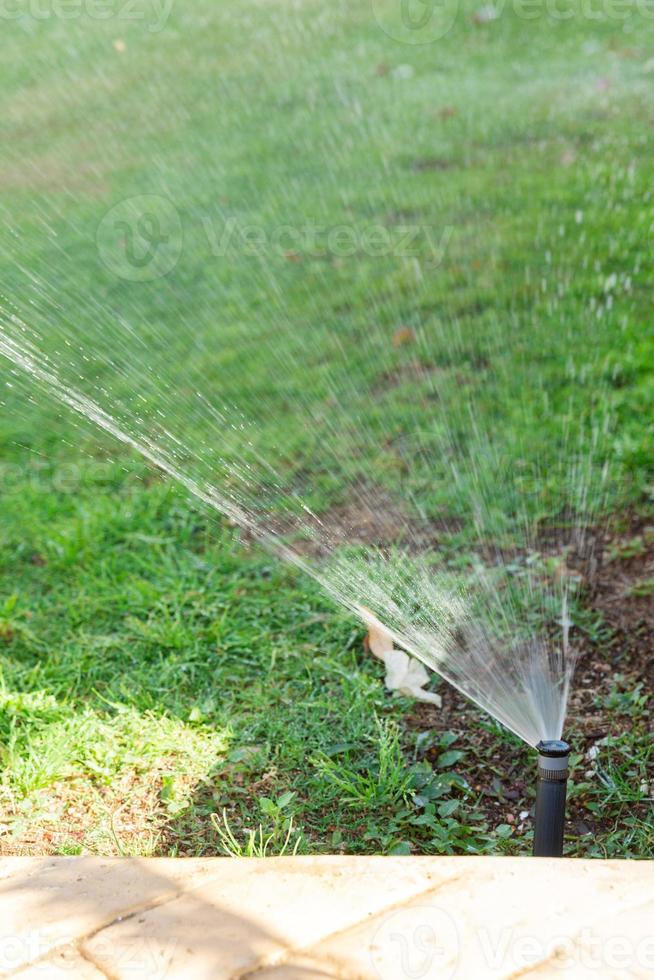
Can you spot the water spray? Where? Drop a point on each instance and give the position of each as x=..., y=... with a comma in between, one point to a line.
x=550, y=797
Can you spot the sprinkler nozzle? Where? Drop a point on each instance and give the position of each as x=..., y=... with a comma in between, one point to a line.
x=550, y=797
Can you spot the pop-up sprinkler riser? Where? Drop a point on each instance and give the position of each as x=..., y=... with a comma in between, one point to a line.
x=553, y=758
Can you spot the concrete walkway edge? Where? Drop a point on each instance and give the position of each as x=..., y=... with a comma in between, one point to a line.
x=314, y=917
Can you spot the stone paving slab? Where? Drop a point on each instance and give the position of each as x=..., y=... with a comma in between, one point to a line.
x=358, y=918
x=46, y=903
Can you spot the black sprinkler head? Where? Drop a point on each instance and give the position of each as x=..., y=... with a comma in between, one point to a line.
x=553, y=748
x=550, y=797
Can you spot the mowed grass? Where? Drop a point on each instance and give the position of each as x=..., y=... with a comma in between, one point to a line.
x=157, y=670
x=166, y=672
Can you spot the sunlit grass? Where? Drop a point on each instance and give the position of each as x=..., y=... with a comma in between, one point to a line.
x=156, y=670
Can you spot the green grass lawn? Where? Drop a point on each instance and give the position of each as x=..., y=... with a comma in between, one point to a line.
x=159, y=669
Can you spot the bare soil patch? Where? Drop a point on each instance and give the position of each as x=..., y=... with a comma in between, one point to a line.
x=369, y=515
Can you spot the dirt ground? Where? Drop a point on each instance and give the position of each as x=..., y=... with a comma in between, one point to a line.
x=622, y=594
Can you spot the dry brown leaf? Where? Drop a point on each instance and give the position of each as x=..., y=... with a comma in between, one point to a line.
x=403, y=335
